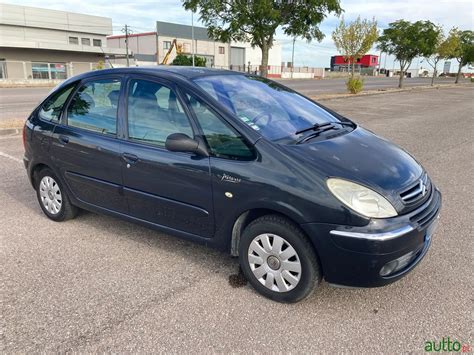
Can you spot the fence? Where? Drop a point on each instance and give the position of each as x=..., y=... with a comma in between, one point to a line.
x=277, y=71
x=22, y=70
x=41, y=71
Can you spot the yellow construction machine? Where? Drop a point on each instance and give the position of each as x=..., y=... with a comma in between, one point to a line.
x=179, y=50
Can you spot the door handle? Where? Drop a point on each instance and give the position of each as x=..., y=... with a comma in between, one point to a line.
x=63, y=139
x=129, y=158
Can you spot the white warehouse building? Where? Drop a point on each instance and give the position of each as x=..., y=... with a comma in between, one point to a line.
x=151, y=47
x=48, y=44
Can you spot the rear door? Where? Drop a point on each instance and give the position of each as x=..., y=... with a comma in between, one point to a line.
x=167, y=188
x=85, y=145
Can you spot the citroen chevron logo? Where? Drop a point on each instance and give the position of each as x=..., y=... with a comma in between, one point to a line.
x=423, y=188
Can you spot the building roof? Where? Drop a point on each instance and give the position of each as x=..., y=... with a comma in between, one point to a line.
x=181, y=31
x=35, y=17
x=133, y=35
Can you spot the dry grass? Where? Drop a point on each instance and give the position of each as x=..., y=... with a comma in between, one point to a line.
x=9, y=124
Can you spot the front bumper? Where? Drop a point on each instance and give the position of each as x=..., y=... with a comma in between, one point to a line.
x=354, y=256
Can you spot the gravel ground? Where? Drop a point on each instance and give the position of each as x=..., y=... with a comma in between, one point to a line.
x=100, y=284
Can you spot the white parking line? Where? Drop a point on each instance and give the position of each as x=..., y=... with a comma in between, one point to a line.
x=11, y=157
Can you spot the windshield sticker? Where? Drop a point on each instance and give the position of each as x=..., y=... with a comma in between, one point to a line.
x=245, y=119
x=249, y=122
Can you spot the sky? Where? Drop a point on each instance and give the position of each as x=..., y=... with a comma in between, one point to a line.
x=142, y=14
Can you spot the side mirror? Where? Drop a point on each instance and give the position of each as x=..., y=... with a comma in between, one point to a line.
x=180, y=142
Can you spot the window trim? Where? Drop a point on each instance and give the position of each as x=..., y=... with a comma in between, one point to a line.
x=172, y=86
x=64, y=121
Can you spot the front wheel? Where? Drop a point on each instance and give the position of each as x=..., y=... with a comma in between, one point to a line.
x=278, y=259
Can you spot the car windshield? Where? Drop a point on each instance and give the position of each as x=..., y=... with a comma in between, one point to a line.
x=271, y=109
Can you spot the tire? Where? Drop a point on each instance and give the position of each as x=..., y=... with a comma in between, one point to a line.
x=53, y=198
x=278, y=259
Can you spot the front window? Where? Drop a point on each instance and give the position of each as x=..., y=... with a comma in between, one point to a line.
x=86, y=41
x=97, y=42
x=269, y=108
x=223, y=141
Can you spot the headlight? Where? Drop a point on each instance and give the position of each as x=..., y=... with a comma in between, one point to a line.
x=361, y=199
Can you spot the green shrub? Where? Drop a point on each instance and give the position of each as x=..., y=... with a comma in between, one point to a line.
x=354, y=85
x=182, y=59
x=472, y=79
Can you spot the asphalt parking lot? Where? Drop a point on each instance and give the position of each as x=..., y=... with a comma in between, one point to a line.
x=99, y=284
x=17, y=103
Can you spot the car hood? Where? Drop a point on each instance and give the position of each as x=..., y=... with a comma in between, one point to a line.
x=362, y=157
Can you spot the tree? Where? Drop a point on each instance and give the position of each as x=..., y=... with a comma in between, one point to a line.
x=100, y=65
x=460, y=45
x=438, y=52
x=355, y=39
x=182, y=59
x=406, y=41
x=256, y=21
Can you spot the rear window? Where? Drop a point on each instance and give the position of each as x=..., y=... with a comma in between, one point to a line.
x=94, y=106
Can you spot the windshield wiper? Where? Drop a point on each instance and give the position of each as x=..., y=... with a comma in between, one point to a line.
x=318, y=126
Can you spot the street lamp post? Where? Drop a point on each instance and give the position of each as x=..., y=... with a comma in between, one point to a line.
x=192, y=35
x=293, y=57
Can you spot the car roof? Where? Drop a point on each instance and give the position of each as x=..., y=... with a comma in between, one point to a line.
x=181, y=71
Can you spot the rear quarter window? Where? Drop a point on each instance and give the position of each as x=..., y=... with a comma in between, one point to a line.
x=52, y=107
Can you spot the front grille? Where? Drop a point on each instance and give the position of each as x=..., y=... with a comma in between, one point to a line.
x=417, y=191
x=425, y=216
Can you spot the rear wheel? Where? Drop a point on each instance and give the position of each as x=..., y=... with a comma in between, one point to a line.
x=53, y=198
x=278, y=259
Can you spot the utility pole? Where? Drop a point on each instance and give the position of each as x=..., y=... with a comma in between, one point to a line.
x=192, y=34
x=126, y=30
x=293, y=57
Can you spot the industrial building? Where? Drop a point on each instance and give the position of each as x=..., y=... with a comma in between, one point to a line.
x=368, y=61
x=151, y=47
x=48, y=44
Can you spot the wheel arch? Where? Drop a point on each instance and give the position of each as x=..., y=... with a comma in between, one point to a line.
x=34, y=170
x=246, y=217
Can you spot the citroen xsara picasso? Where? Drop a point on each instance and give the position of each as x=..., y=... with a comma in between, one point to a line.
x=239, y=163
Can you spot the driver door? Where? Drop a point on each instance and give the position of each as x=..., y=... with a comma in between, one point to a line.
x=171, y=189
